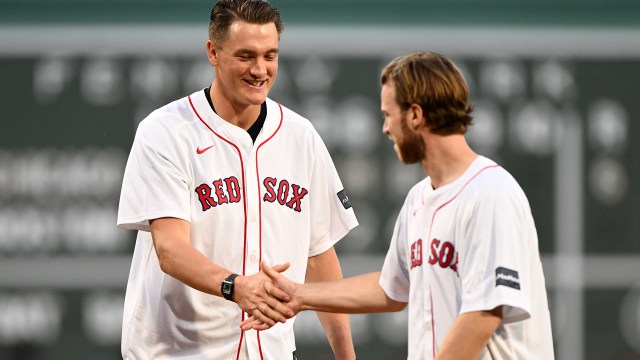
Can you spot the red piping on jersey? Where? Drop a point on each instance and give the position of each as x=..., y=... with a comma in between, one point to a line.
x=433, y=325
x=240, y=342
x=260, y=345
x=433, y=217
x=244, y=200
x=260, y=206
x=258, y=178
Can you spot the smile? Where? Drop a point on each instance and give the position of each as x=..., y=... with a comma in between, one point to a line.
x=256, y=83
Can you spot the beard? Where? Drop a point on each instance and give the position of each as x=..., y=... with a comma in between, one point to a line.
x=411, y=149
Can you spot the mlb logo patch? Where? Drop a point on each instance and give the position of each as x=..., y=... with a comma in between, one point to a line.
x=507, y=277
x=344, y=199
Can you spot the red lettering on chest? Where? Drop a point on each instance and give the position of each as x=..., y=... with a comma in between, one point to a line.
x=416, y=253
x=285, y=193
x=444, y=254
x=223, y=192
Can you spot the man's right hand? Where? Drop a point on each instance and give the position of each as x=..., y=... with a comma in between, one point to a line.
x=250, y=293
x=283, y=290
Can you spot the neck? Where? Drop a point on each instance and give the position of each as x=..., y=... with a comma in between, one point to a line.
x=242, y=116
x=447, y=158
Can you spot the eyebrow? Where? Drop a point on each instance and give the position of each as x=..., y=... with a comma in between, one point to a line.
x=252, y=52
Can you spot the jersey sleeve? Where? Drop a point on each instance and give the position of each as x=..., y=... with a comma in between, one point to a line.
x=155, y=184
x=496, y=258
x=332, y=216
x=394, y=278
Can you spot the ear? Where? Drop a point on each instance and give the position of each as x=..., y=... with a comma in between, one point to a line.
x=212, y=52
x=416, y=117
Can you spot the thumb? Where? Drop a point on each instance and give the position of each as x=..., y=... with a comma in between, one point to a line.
x=274, y=272
x=281, y=267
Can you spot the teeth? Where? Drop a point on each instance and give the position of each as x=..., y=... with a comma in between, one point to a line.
x=255, y=83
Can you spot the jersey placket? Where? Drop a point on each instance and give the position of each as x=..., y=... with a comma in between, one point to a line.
x=427, y=278
x=254, y=241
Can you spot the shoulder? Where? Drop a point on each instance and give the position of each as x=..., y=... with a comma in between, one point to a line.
x=416, y=194
x=299, y=130
x=490, y=182
x=490, y=176
x=418, y=189
x=167, y=119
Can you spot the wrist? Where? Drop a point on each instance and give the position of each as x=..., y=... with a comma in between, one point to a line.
x=303, y=297
x=348, y=355
x=227, y=288
x=345, y=352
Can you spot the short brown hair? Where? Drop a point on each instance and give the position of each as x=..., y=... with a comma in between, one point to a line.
x=434, y=83
x=225, y=12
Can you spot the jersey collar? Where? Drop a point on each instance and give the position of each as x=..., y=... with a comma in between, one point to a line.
x=271, y=125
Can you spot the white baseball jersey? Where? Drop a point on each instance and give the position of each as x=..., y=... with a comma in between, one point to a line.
x=278, y=200
x=470, y=245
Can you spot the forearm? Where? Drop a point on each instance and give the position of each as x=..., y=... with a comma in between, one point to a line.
x=181, y=260
x=338, y=332
x=191, y=267
x=171, y=239
x=469, y=335
x=326, y=267
x=355, y=295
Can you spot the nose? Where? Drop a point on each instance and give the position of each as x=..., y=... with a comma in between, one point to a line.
x=259, y=68
x=385, y=127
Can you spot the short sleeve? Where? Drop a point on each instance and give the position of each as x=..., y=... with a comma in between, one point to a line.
x=395, y=278
x=332, y=215
x=495, y=259
x=155, y=183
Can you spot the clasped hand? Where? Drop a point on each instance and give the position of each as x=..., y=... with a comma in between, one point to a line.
x=267, y=297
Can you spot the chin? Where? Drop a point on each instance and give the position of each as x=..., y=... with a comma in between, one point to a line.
x=257, y=99
x=398, y=153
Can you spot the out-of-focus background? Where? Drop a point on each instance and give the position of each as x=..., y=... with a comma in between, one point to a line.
x=555, y=85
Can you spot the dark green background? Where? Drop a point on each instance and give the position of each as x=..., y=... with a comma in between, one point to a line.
x=452, y=12
x=71, y=123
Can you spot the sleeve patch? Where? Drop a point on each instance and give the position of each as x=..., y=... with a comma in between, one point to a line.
x=507, y=277
x=344, y=199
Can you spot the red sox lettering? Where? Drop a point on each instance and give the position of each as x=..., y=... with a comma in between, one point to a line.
x=282, y=191
x=443, y=253
x=416, y=253
x=226, y=191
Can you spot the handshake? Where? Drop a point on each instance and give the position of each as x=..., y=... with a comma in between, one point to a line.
x=268, y=297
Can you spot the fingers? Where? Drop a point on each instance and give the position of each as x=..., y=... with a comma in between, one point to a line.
x=253, y=297
x=276, y=292
x=283, y=309
x=248, y=323
x=261, y=318
x=280, y=267
x=272, y=272
x=260, y=327
x=257, y=320
x=268, y=315
x=253, y=323
x=261, y=298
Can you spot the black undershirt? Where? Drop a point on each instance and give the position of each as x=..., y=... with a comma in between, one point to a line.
x=254, y=130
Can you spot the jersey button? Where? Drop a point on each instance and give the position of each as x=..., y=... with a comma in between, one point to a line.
x=253, y=218
x=253, y=258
